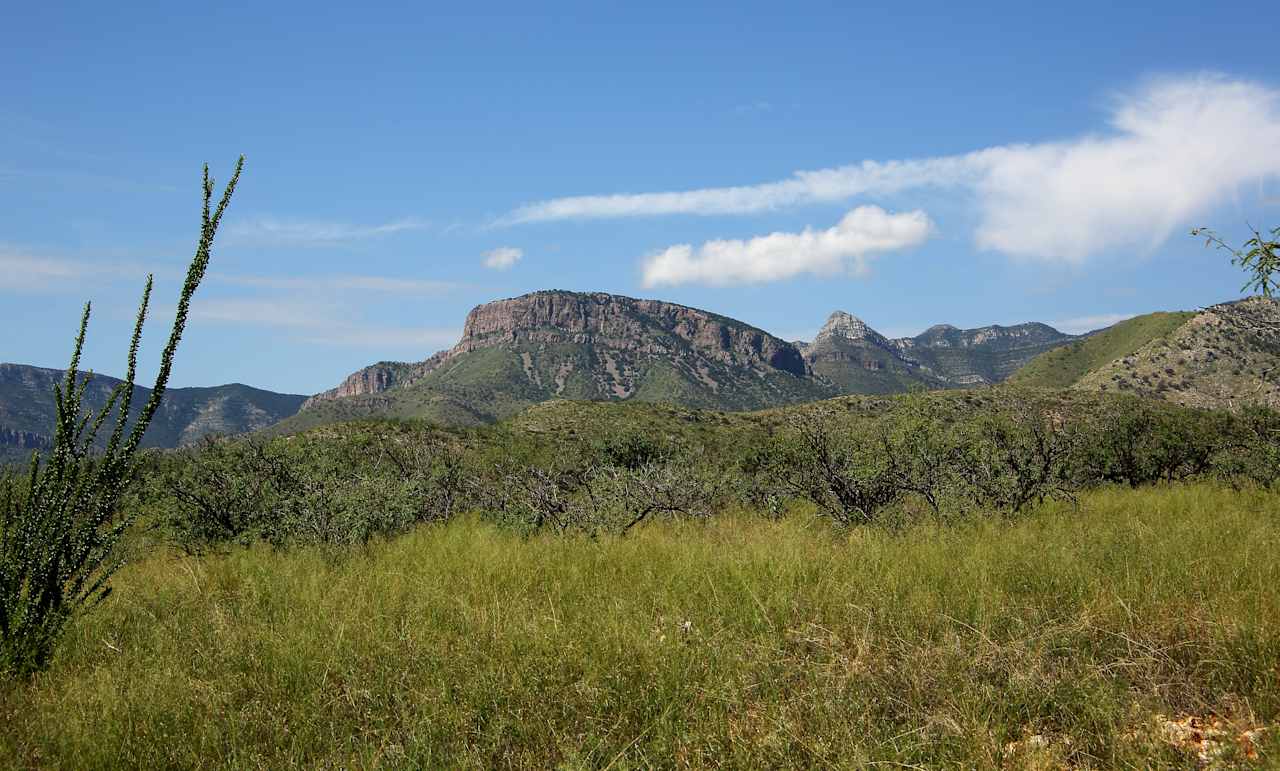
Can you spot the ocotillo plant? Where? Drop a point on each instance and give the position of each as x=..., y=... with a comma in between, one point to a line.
x=61, y=523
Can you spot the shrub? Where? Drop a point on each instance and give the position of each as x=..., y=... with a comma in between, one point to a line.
x=220, y=492
x=1136, y=441
x=595, y=499
x=846, y=477
x=631, y=450
x=310, y=490
x=1018, y=456
x=1252, y=448
x=922, y=450
x=623, y=498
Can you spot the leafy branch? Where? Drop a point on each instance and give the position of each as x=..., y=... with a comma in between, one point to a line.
x=1260, y=257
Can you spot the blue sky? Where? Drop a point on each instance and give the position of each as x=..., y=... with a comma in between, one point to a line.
x=912, y=164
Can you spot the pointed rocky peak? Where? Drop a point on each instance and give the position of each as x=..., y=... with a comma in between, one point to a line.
x=848, y=326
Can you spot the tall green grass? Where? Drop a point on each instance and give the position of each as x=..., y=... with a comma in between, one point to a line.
x=738, y=641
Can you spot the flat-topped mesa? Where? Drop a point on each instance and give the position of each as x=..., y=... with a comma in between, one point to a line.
x=625, y=324
x=601, y=337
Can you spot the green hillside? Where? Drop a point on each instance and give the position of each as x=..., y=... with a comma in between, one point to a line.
x=1062, y=367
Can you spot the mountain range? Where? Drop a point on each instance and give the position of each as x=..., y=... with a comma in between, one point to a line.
x=593, y=346
x=553, y=344
x=27, y=410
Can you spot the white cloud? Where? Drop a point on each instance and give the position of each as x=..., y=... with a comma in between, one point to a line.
x=1082, y=324
x=1172, y=150
x=268, y=231
x=502, y=258
x=847, y=246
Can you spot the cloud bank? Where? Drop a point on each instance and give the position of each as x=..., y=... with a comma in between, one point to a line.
x=1171, y=150
x=502, y=258
x=846, y=247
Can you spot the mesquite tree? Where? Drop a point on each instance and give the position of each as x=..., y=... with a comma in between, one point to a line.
x=61, y=522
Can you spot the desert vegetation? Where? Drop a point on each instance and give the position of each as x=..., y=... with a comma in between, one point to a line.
x=978, y=578
x=884, y=462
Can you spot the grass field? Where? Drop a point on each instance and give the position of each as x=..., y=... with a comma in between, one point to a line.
x=1068, y=636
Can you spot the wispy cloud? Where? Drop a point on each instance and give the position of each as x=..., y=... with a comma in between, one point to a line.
x=339, y=283
x=321, y=323
x=287, y=232
x=268, y=311
x=1171, y=150
x=1081, y=324
x=846, y=247
x=427, y=340
x=21, y=271
x=502, y=258
x=756, y=107
x=804, y=187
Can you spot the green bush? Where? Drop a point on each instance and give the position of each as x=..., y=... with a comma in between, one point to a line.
x=223, y=492
x=1251, y=451
x=847, y=476
x=631, y=450
x=1137, y=441
x=596, y=499
x=309, y=490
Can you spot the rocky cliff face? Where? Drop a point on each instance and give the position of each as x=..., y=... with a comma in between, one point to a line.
x=845, y=326
x=599, y=346
x=1019, y=336
x=374, y=379
x=23, y=440
x=625, y=324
